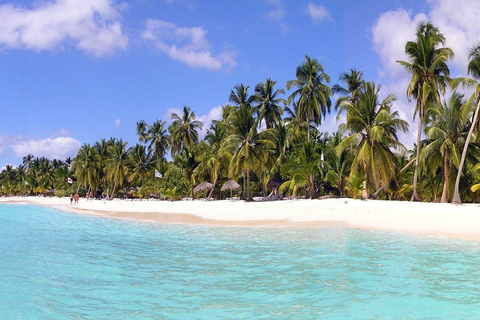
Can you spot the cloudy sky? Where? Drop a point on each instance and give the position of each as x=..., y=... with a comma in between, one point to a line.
x=76, y=71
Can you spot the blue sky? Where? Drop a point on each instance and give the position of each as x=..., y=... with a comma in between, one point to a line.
x=76, y=71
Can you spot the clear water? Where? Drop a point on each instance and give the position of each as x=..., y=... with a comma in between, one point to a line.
x=55, y=265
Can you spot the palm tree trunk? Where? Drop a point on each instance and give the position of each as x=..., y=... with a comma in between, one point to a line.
x=113, y=191
x=415, y=174
x=446, y=173
x=456, y=194
x=249, y=195
x=312, y=187
x=211, y=191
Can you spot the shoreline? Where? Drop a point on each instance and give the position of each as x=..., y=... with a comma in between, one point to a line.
x=445, y=220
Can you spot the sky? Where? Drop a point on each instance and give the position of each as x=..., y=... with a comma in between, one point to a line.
x=77, y=71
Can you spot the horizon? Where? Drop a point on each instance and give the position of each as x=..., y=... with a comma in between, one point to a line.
x=75, y=72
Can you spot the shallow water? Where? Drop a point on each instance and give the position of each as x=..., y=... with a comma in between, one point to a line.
x=56, y=265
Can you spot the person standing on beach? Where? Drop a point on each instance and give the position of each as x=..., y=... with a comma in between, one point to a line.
x=71, y=198
x=76, y=198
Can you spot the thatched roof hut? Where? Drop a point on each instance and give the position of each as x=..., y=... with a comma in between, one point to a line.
x=275, y=183
x=231, y=185
x=204, y=186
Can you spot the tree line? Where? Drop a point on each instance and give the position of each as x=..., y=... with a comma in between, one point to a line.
x=264, y=135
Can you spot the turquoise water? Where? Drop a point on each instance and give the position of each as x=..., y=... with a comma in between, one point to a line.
x=55, y=265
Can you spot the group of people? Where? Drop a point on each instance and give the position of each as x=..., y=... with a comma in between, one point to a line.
x=76, y=197
x=72, y=197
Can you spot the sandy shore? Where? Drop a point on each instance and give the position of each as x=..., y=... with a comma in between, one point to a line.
x=427, y=218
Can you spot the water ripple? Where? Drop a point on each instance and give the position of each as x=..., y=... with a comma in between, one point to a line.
x=56, y=265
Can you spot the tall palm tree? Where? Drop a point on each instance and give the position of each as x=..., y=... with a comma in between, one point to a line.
x=141, y=130
x=140, y=162
x=158, y=139
x=250, y=147
x=184, y=131
x=86, y=166
x=311, y=92
x=474, y=71
x=430, y=75
x=268, y=101
x=374, y=130
x=445, y=128
x=354, y=85
x=117, y=166
x=239, y=96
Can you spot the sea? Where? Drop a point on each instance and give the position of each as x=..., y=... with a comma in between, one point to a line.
x=58, y=265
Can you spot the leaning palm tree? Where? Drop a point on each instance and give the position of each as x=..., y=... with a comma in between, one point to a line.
x=250, y=147
x=430, y=75
x=184, y=131
x=374, y=130
x=86, y=166
x=268, y=101
x=311, y=92
x=445, y=128
x=474, y=70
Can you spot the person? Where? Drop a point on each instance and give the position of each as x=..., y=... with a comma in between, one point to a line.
x=76, y=198
x=71, y=198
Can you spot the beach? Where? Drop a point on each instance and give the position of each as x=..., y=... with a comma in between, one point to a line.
x=455, y=221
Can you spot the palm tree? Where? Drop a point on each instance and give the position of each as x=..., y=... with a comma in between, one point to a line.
x=355, y=84
x=268, y=108
x=184, y=131
x=445, y=129
x=239, y=96
x=140, y=161
x=157, y=135
x=250, y=147
x=474, y=70
x=141, y=130
x=374, y=130
x=302, y=169
x=86, y=166
x=430, y=74
x=117, y=166
x=313, y=95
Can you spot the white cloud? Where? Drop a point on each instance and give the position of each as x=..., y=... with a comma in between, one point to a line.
x=214, y=114
x=56, y=148
x=390, y=34
x=456, y=19
x=318, y=13
x=118, y=123
x=93, y=26
x=188, y=45
x=393, y=29
x=279, y=12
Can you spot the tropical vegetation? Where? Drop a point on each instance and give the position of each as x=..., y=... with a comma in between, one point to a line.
x=269, y=139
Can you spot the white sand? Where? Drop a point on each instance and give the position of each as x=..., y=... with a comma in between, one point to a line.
x=461, y=221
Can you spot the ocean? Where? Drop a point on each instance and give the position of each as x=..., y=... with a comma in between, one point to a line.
x=57, y=265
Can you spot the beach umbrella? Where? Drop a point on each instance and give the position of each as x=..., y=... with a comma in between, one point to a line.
x=274, y=184
x=204, y=186
x=231, y=185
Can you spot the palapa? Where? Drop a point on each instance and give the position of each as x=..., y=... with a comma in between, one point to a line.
x=231, y=185
x=274, y=183
x=204, y=186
